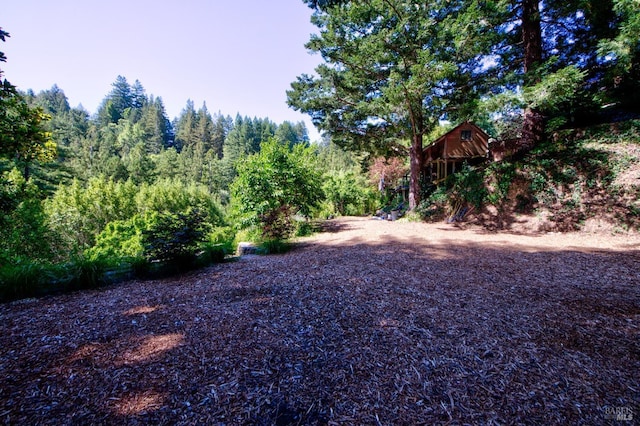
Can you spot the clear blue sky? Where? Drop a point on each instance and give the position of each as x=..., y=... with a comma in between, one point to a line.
x=238, y=56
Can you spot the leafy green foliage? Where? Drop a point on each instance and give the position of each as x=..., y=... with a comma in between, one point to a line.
x=468, y=186
x=174, y=236
x=23, y=137
x=348, y=194
x=177, y=196
x=274, y=184
x=622, y=51
x=24, y=233
x=80, y=212
x=499, y=177
x=25, y=279
x=121, y=239
x=557, y=95
x=222, y=237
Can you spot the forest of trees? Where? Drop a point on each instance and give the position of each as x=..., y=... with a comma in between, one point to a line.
x=131, y=137
x=127, y=183
x=82, y=194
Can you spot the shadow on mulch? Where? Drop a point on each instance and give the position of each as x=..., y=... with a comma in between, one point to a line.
x=332, y=226
x=361, y=333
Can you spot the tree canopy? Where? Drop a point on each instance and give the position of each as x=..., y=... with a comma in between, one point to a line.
x=23, y=137
x=394, y=68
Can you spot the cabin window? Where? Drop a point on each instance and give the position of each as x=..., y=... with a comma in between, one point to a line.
x=465, y=135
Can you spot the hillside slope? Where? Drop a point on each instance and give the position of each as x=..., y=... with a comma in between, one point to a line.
x=581, y=179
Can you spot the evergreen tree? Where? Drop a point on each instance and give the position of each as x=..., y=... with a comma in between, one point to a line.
x=52, y=101
x=114, y=106
x=138, y=96
x=156, y=127
x=390, y=74
x=221, y=127
x=23, y=135
x=243, y=140
x=291, y=134
x=620, y=50
x=167, y=165
x=204, y=128
x=139, y=165
x=185, y=127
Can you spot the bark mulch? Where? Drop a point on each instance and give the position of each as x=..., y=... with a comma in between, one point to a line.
x=371, y=322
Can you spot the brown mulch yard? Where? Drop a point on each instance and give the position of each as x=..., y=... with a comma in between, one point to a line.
x=371, y=322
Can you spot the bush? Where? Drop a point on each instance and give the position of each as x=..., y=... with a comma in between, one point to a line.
x=223, y=237
x=121, y=239
x=348, y=194
x=82, y=212
x=24, y=233
x=25, y=279
x=175, y=196
x=304, y=228
x=273, y=185
x=33, y=279
x=468, y=186
x=174, y=236
x=83, y=273
x=274, y=247
x=211, y=253
x=500, y=176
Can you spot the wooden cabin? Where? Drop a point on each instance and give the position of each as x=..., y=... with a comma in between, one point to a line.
x=466, y=142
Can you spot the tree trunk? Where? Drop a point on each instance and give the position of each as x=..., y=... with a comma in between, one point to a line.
x=533, y=123
x=415, y=159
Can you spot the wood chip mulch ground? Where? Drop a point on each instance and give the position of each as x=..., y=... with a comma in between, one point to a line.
x=371, y=322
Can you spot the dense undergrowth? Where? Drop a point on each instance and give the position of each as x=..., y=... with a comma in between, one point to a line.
x=576, y=177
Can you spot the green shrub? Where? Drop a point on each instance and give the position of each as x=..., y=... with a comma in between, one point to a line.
x=305, y=228
x=211, y=253
x=500, y=177
x=25, y=279
x=169, y=195
x=121, y=239
x=274, y=246
x=348, y=194
x=32, y=279
x=83, y=273
x=174, y=237
x=468, y=186
x=273, y=185
x=223, y=236
x=80, y=212
x=24, y=233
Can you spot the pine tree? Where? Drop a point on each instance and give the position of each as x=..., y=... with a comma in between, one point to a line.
x=388, y=75
x=221, y=127
x=185, y=127
x=116, y=103
x=204, y=128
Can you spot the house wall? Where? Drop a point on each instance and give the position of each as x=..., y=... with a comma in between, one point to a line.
x=445, y=155
x=457, y=148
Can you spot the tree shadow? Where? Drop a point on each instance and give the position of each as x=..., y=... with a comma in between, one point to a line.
x=386, y=331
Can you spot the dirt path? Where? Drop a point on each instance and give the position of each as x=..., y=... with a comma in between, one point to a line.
x=371, y=322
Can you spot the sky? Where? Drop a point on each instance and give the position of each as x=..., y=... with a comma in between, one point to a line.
x=238, y=56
